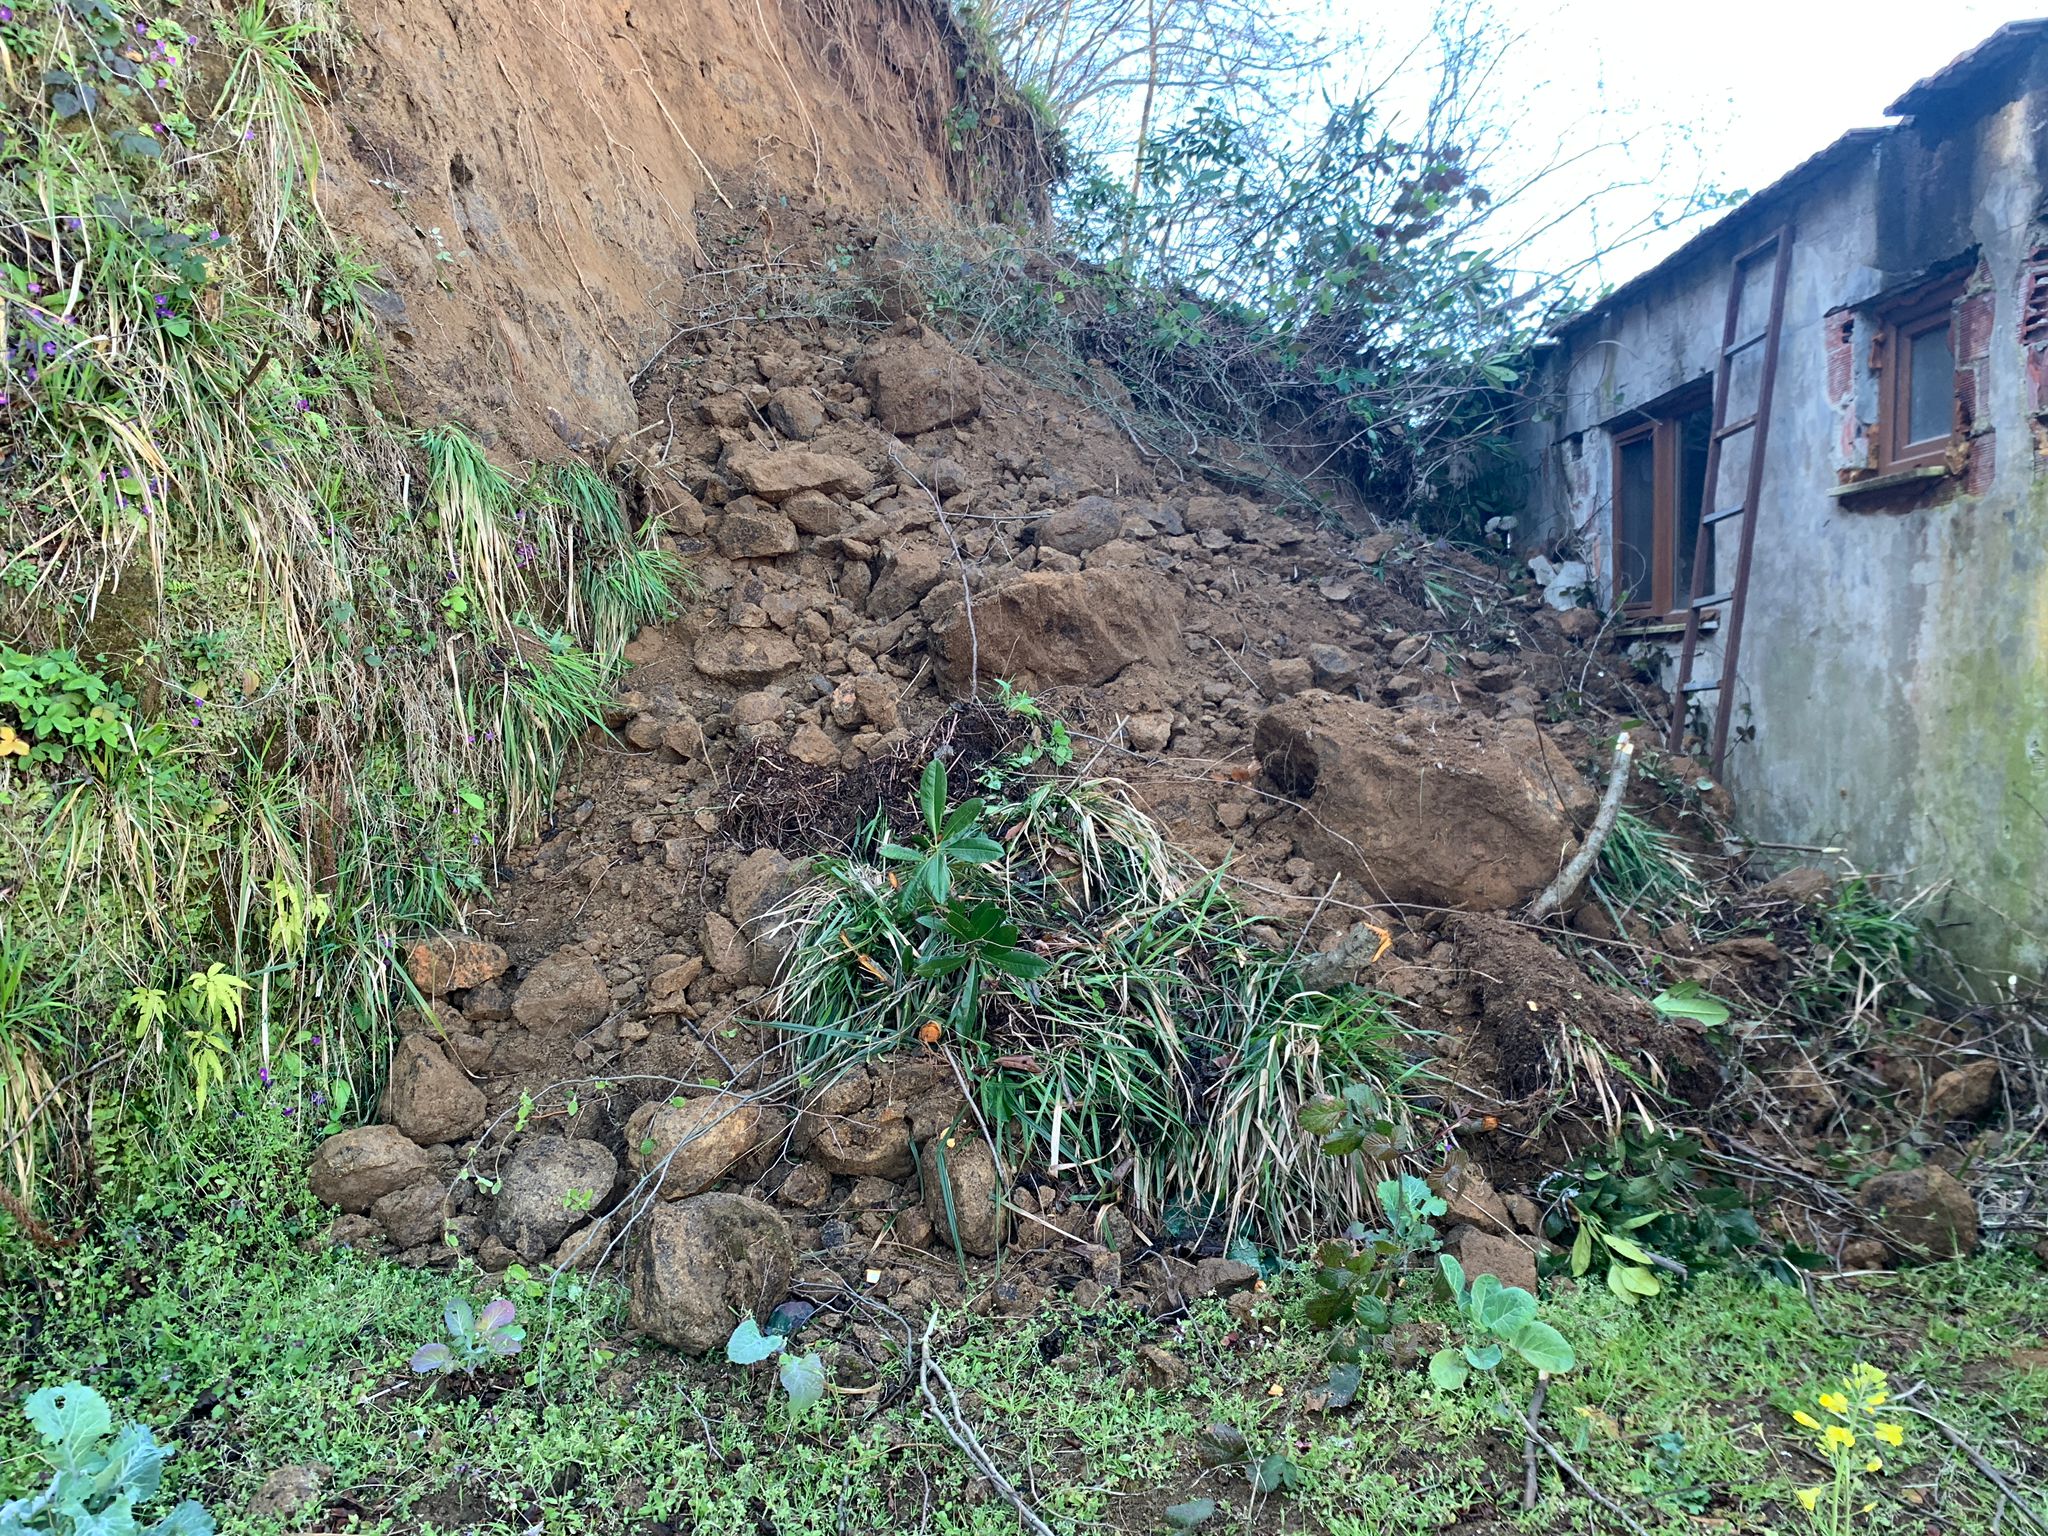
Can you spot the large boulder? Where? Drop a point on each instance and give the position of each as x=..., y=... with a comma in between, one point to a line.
x=693, y=1143
x=562, y=995
x=1925, y=1210
x=702, y=1264
x=428, y=1097
x=357, y=1168
x=963, y=1195
x=452, y=962
x=550, y=1186
x=776, y=475
x=1051, y=628
x=1442, y=817
x=918, y=384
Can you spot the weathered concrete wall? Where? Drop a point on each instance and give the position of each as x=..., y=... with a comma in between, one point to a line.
x=1893, y=696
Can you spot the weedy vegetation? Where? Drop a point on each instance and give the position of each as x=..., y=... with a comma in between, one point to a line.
x=275, y=680
x=1105, y=998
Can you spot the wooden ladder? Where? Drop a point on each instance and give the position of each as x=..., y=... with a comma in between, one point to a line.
x=1777, y=246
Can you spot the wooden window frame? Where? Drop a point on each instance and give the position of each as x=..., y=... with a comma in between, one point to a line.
x=1900, y=325
x=1660, y=424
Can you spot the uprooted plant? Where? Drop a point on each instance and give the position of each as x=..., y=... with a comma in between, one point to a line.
x=1104, y=999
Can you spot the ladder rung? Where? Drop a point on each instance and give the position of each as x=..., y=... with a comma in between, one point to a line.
x=1724, y=514
x=1711, y=600
x=1703, y=687
x=1734, y=427
x=1745, y=344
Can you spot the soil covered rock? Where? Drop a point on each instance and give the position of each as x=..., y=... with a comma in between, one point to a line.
x=1434, y=814
x=703, y=1263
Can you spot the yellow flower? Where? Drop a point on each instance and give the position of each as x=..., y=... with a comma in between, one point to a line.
x=1876, y=1400
x=1835, y=1438
x=11, y=744
x=1862, y=1376
x=1834, y=1402
x=1890, y=1434
x=1808, y=1498
x=1805, y=1419
x=1875, y=1464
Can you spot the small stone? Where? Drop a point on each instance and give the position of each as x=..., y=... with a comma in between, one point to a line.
x=796, y=413
x=550, y=1186
x=694, y=1143
x=704, y=1262
x=814, y=513
x=778, y=475
x=1966, y=1093
x=725, y=951
x=962, y=1195
x=1219, y=1277
x=1163, y=1372
x=287, y=1491
x=1507, y=1259
x=745, y=656
x=1089, y=524
x=1924, y=1210
x=1149, y=732
x=413, y=1214
x=755, y=535
x=806, y=1187
x=452, y=962
x=562, y=995
x=1289, y=675
x=428, y=1097
x=1332, y=666
x=1580, y=623
x=812, y=746
x=357, y=1168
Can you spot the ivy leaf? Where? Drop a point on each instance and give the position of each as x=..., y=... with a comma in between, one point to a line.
x=1544, y=1347
x=1185, y=1517
x=749, y=1345
x=1448, y=1370
x=1688, y=1000
x=803, y=1378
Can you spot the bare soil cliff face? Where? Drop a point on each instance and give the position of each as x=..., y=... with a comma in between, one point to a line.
x=524, y=178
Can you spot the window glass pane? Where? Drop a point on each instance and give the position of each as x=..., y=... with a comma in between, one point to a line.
x=1635, y=495
x=1694, y=429
x=1930, y=385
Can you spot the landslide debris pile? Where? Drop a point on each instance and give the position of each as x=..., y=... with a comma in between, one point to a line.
x=907, y=555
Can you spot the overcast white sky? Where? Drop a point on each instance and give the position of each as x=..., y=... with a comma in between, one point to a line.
x=1758, y=84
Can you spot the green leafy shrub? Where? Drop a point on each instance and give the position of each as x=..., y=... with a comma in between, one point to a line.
x=475, y=1338
x=1499, y=1320
x=96, y=1483
x=1107, y=1000
x=1645, y=1212
x=802, y=1376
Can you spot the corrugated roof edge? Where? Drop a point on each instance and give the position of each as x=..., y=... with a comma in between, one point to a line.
x=1808, y=170
x=1963, y=70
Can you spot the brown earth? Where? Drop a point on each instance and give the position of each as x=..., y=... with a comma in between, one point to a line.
x=526, y=178
x=581, y=221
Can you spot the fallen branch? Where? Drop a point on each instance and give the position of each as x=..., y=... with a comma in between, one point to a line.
x=1529, y=1463
x=1536, y=1442
x=961, y=1433
x=1996, y=1478
x=1567, y=884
